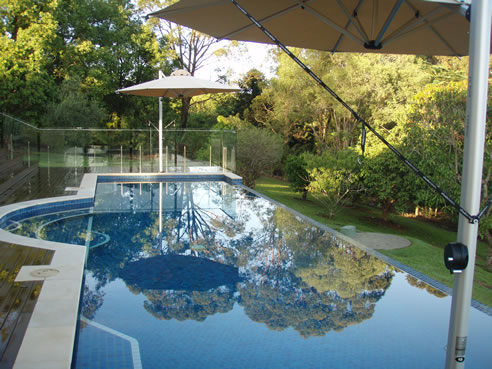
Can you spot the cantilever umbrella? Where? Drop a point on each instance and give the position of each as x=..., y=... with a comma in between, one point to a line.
x=179, y=84
x=433, y=27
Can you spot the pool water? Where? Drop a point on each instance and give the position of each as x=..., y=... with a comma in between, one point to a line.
x=209, y=275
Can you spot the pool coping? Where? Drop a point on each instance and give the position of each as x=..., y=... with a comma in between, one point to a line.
x=50, y=335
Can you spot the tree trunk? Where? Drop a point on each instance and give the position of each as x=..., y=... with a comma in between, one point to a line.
x=304, y=195
x=185, y=108
x=488, y=238
x=387, y=206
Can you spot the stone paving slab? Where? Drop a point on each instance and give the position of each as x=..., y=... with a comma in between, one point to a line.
x=381, y=241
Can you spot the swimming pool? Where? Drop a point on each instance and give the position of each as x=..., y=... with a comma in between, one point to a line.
x=210, y=275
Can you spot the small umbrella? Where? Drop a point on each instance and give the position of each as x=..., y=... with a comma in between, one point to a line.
x=178, y=85
x=433, y=27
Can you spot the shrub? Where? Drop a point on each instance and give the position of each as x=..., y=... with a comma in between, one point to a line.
x=258, y=153
x=295, y=169
x=334, y=178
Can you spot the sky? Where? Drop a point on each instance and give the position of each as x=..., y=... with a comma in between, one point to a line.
x=238, y=64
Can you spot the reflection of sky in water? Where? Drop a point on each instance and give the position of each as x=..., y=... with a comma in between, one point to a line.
x=295, y=297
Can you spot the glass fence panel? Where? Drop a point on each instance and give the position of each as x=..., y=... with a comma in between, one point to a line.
x=112, y=150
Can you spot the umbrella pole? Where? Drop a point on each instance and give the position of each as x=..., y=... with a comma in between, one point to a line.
x=161, y=75
x=476, y=110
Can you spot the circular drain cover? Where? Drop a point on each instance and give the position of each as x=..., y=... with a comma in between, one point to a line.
x=45, y=272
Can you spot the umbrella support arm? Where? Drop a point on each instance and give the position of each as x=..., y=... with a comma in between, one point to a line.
x=474, y=219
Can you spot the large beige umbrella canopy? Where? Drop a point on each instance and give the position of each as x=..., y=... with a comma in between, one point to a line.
x=387, y=26
x=433, y=27
x=178, y=85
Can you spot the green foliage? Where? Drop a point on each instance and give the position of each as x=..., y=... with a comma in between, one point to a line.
x=75, y=109
x=388, y=182
x=258, y=153
x=252, y=84
x=335, y=178
x=28, y=54
x=295, y=169
x=101, y=43
x=436, y=134
x=377, y=86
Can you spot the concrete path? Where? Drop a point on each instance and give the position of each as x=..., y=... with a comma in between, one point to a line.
x=381, y=241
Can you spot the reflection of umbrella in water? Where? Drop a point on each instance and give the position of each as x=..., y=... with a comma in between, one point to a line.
x=178, y=272
x=434, y=27
x=179, y=84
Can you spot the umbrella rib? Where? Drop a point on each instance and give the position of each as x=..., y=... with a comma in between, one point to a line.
x=340, y=38
x=329, y=22
x=443, y=40
x=267, y=18
x=351, y=19
x=388, y=21
x=418, y=23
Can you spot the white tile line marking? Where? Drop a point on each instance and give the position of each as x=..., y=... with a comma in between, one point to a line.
x=137, y=363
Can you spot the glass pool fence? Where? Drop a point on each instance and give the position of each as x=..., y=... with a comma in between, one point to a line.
x=117, y=150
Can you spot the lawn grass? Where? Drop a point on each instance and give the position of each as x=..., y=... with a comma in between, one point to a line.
x=428, y=239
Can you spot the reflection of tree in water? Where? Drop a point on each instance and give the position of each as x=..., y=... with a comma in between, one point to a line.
x=186, y=305
x=347, y=270
x=292, y=274
x=412, y=281
x=304, y=278
x=317, y=300
x=190, y=228
x=91, y=302
x=305, y=310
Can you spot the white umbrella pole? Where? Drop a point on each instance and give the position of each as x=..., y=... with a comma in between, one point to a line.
x=476, y=110
x=161, y=75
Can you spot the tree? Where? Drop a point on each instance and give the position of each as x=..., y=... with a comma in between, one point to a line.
x=28, y=54
x=295, y=168
x=252, y=84
x=75, y=109
x=191, y=48
x=258, y=153
x=103, y=44
x=377, y=86
x=387, y=181
x=107, y=47
x=334, y=178
x=435, y=132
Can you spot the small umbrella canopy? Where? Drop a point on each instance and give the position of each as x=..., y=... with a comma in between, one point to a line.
x=394, y=27
x=178, y=84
